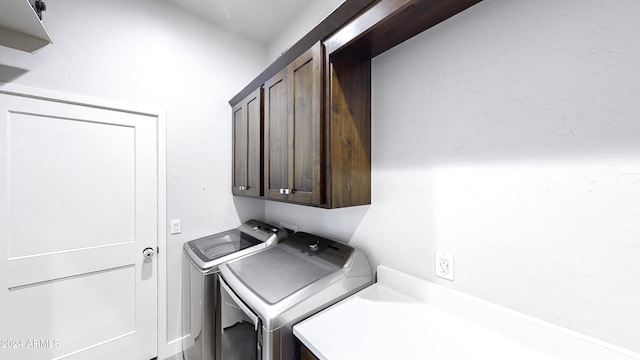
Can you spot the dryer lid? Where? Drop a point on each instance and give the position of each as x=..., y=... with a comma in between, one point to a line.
x=278, y=272
x=296, y=263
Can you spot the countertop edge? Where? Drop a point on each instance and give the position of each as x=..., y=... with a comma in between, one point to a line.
x=553, y=340
x=547, y=337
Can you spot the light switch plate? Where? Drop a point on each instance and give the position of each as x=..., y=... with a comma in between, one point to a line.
x=176, y=226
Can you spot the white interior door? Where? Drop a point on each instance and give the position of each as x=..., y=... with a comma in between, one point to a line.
x=78, y=205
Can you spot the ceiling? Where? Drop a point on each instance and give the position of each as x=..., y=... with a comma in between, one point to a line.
x=260, y=20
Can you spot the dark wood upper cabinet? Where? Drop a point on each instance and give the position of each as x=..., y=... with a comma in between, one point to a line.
x=293, y=131
x=317, y=104
x=318, y=130
x=248, y=145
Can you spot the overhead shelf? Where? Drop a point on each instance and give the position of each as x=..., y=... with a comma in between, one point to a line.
x=367, y=27
x=21, y=28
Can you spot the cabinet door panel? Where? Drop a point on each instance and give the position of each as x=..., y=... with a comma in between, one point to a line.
x=293, y=115
x=254, y=145
x=247, y=145
x=306, y=166
x=305, y=174
x=277, y=138
x=240, y=148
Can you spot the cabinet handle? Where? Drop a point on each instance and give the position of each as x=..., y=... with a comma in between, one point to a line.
x=242, y=187
x=286, y=191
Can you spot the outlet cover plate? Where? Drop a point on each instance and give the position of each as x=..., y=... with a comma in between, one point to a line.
x=444, y=265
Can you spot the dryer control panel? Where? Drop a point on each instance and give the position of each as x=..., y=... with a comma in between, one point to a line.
x=262, y=231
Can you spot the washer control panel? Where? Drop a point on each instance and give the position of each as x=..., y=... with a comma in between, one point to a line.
x=332, y=251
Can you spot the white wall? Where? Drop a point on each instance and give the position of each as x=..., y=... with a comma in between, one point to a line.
x=507, y=135
x=310, y=16
x=149, y=52
x=510, y=136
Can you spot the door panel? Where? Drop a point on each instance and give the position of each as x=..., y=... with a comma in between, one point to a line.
x=78, y=204
x=54, y=307
x=39, y=145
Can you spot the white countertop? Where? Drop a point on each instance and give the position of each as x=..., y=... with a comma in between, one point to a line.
x=381, y=322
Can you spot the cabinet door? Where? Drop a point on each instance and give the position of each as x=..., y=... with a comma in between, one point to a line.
x=306, y=354
x=247, y=145
x=277, y=120
x=305, y=132
x=293, y=130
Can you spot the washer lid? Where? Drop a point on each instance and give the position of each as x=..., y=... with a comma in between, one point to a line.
x=216, y=246
x=280, y=271
x=208, y=251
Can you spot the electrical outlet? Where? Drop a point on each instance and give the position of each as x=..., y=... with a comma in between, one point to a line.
x=176, y=226
x=444, y=265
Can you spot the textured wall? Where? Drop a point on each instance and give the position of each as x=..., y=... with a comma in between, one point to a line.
x=310, y=16
x=150, y=52
x=509, y=136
